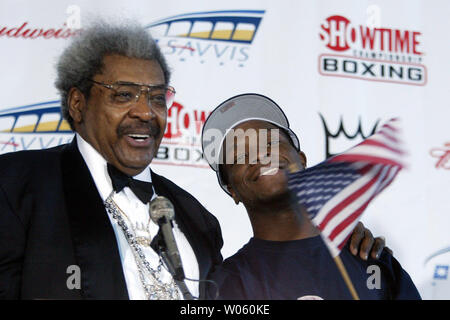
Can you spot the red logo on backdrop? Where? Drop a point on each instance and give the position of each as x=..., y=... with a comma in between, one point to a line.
x=443, y=156
x=340, y=35
x=24, y=31
x=336, y=28
x=182, y=121
x=371, y=53
x=181, y=143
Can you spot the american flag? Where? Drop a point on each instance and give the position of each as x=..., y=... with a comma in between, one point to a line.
x=336, y=192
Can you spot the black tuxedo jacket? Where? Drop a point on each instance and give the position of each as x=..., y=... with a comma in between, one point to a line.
x=52, y=217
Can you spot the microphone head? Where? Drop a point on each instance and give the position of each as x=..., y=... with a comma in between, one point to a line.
x=161, y=207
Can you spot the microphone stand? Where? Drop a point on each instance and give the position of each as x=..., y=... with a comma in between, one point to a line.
x=179, y=281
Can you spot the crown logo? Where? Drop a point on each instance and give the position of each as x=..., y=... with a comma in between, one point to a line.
x=329, y=136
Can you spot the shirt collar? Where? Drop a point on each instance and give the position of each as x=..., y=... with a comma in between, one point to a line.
x=97, y=167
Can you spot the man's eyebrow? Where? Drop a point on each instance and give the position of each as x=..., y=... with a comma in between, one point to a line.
x=126, y=83
x=139, y=84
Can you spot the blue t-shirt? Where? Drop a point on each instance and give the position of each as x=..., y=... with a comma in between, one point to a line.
x=271, y=270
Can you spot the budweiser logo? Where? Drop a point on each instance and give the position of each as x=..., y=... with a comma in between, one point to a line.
x=442, y=155
x=28, y=32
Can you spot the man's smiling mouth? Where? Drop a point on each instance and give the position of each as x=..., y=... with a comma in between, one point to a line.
x=268, y=171
x=139, y=137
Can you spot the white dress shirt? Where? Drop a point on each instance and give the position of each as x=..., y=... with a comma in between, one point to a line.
x=136, y=213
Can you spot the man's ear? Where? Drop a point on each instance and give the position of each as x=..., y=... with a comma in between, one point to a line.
x=302, y=158
x=233, y=194
x=76, y=102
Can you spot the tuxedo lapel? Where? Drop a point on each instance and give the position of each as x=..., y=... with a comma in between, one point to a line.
x=95, y=244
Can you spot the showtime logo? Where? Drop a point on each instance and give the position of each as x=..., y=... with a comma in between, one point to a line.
x=370, y=53
x=340, y=35
x=181, y=144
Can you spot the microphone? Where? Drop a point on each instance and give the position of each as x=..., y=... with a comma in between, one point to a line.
x=162, y=213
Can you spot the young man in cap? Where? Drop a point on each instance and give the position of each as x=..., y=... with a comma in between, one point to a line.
x=286, y=258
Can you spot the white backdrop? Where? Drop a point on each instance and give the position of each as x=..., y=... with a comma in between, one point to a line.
x=337, y=68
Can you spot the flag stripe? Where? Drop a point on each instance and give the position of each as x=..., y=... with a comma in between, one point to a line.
x=366, y=168
x=327, y=213
x=349, y=200
x=388, y=136
x=347, y=233
x=387, y=142
x=390, y=127
x=345, y=224
x=375, y=143
x=367, y=158
x=353, y=207
x=373, y=151
x=371, y=193
x=392, y=172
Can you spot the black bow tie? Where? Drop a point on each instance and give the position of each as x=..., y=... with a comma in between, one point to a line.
x=142, y=190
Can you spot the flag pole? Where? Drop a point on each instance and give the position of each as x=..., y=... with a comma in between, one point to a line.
x=293, y=167
x=346, y=278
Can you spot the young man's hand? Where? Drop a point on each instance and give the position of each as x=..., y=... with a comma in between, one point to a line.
x=363, y=243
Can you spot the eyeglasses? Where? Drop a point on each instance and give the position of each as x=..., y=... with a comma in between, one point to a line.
x=124, y=93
